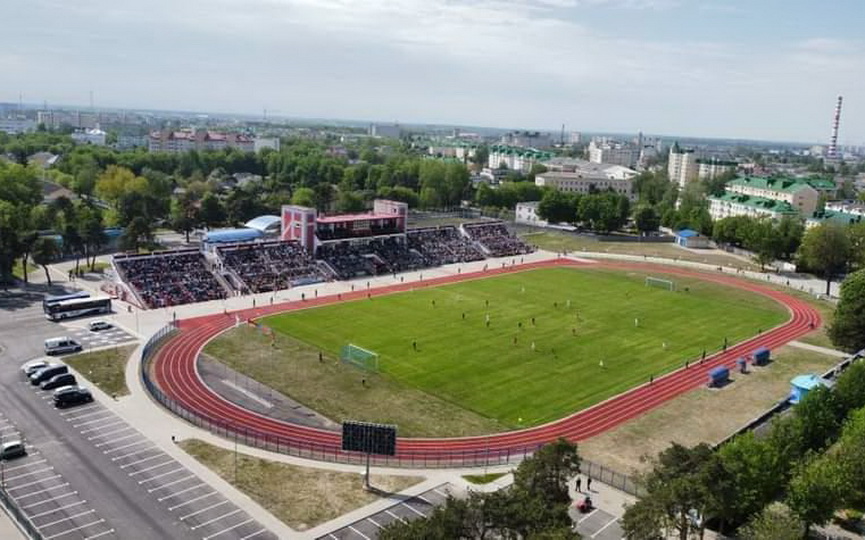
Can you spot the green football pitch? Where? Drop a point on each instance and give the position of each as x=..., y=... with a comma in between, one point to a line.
x=558, y=340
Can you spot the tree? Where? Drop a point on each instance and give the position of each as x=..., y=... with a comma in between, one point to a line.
x=644, y=521
x=45, y=251
x=212, y=211
x=790, y=230
x=755, y=472
x=850, y=387
x=323, y=196
x=557, y=207
x=349, y=202
x=774, y=522
x=92, y=232
x=765, y=241
x=10, y=239
x=856, y=235
x=136, y=234
x=303, y=196
x=825, y=249
x=184, y=215
x=847, y=329
x=646, y=219
x=817, y=490
x=545, y=475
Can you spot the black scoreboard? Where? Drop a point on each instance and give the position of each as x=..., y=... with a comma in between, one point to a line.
x=369, y=438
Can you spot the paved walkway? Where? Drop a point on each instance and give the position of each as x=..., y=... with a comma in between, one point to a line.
x=819, y=349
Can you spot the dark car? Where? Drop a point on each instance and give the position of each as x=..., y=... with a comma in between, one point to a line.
x=71, y=395
x=64, y=379
x=44, y=374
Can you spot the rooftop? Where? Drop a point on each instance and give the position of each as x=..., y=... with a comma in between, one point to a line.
x=786, y=185
x=353, y=217
x=833, y=216
x=759, y=203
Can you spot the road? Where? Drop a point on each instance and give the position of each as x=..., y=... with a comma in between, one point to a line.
x=70, y=455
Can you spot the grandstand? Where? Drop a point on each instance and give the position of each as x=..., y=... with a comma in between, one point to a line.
x=312, y=249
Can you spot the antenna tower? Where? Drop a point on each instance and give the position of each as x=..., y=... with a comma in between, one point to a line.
x=832, y=154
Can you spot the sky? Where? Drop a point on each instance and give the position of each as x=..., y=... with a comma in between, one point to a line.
x=755, y=69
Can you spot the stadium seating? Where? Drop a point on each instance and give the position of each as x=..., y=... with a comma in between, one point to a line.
x=168, y=278
x=497, y=240
x=443, y=245
x=270, y=266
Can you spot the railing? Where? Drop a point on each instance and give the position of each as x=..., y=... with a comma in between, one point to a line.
x=612, y=478
x=24, y=523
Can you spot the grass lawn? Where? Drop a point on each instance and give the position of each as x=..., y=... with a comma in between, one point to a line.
x=704, y=415
x=105, y=369
x=481, y=479
x=480, y=369
x=564, y=241
x=18, y=269
x=300, y=497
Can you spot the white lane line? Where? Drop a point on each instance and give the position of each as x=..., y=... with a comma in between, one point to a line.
x=241, y=524
x=205, y=509
x=97, y=428
x=604, y=527
x=118, y=439
x=170, y=460
x=418, y=512
x=157, y=488
x=137, y=461
x=587, y=516
x=52, y=499
x=190, y=501
x=256, y=533
x=391, y=514
x=358, y=532
x=10, y=469
x=160, y=499
x=67, y=518
x=112, y=432
x=126, y=446
x=67, y=531
x=110, y=417
x=223, y=516
x=58, y=486
x=32, y=483
x=103, y=533
x=160, y=475
x=141, y=451
x=59, y=508
x=37, y=471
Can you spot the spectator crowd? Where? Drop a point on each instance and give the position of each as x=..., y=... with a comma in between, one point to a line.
x=497, y=239
x=170, y=278
x=269, y=266
x=443, y=245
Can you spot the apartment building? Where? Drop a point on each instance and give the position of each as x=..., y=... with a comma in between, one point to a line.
x=797, y=193
x=682, y=167
x=737, y=204
x=186, y=140
x=613, y=152
x=515, y=158
x=710, y=168
x=579, y=182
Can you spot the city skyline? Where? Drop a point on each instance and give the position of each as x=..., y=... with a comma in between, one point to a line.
x=698, y=69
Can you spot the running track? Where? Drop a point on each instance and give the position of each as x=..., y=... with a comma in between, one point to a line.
x=174, y=370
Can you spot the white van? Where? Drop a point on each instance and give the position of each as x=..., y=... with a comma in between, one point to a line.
x=61, y=345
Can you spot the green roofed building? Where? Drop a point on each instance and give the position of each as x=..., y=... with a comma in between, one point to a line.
x=832, y=216
x=737, y=204
x=797, y=193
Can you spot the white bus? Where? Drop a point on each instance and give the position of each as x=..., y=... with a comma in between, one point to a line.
x=78, y=307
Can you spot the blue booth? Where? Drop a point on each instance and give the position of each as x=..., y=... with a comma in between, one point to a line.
x=802, y=384
x=743, y=365
x=718, y=376
x=761, y=356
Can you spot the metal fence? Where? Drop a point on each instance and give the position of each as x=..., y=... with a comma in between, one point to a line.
x=612, y=478
x=24, y=522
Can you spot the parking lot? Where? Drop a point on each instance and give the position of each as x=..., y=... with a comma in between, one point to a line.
x=411, y=508
x=103, y=338
x=598, y=525
x=192, y=502
x=51, y=503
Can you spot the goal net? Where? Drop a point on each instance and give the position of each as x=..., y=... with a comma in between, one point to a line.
x=359, y=357
x=661, y=283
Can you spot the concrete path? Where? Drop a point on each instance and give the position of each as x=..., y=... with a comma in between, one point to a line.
x=819, y=349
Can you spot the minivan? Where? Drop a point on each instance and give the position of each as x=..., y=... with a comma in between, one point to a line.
x=46, y=373
x=61, y=345
x=64, y=379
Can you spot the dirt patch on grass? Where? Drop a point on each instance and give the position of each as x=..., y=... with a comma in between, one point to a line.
x=703, y=415
x=105, y=369
x=300, y=497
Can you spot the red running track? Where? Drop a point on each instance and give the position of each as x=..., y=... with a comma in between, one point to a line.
x=175, y=372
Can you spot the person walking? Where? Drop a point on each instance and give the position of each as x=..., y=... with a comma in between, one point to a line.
x=588, y=483
x=579, y=484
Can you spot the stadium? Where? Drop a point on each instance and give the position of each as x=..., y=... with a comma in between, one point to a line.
x=477, y=347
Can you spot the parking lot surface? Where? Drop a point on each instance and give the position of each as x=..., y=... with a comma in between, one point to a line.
x=598, y=525
x=411, y=508
x=102, y=338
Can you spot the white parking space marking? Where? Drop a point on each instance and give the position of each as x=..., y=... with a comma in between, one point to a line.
x=58, y=509
x=223, y=531
x=142, y=441
x=67, y=518
x=418, y=512
x=171, y=483
x=358, y=532
x=604, y=527
x=587, y=516
x=77, y=411
x=7, y=470
x=98, y=521
x=134, y=452
x=223, y=516
x=52, y=499
x=373, y=522
x=37, y=471
x=108, y=425
x=137, y=461
x=205, y=509
x=103, y=533
x=151, y=467
x=253, y=535
x=32, y=483
x=160, y=475
x=118, y=439
x=112, y=432
x=58, y=486
x=190, y=501
x=184, y=490
x=440, y=492
x=110, y=418
x=391, y=514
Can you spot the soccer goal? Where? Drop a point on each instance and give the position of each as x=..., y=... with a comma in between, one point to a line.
x=661, y=283
x=359, y=357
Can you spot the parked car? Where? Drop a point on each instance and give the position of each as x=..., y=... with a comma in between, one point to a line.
x=64, y=379
x=71, y=395
x=98, y=326
x=46, y=373
x=61, y=345
x=12, y=450
x=28, y=368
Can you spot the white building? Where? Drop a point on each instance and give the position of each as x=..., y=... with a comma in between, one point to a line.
x=515, y=158
x=587, y=168
x=710, y=168
x=14, y=126
x=798, y=194
x=682, y=167
x=736, y=204
x=527, y=214
x=74, y=119
x=528, y=139
x=613, y=152
x=854, y=208
x=392, y=131
x=90, y=136
x=578, y=182
x=260, y=143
